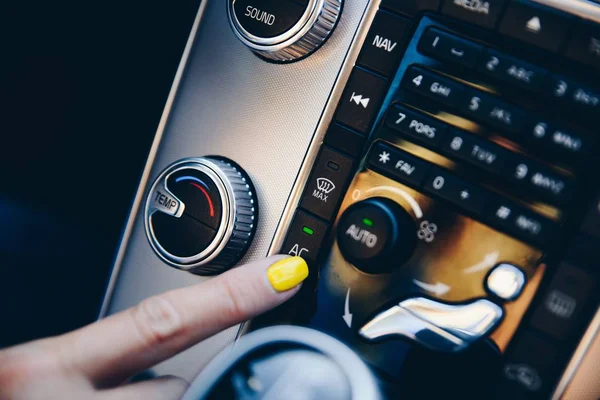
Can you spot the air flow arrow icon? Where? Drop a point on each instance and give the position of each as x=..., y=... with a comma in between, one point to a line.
x=439, y=288
x=347, y=316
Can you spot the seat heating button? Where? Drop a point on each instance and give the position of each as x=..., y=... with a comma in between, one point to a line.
x=482, y=13
x=506, y=282
x=326, y=184
x=536, y=25
x=361, y=99
x=559, y=314
x=385, y=43
x=447, y=47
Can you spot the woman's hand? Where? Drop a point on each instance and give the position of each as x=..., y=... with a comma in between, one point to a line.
x=93, y=361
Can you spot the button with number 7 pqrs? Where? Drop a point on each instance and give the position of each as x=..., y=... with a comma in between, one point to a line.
x=416, y=125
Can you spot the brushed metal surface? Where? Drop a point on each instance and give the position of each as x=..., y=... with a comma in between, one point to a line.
x=229, y=102
x=582, y=8
x=585, y=384
x=580, y=379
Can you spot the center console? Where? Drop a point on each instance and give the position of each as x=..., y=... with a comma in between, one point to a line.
x=433, y=161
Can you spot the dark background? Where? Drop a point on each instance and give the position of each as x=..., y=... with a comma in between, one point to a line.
x=82, y=89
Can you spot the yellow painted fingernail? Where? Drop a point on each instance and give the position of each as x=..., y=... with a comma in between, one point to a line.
x=287, y=273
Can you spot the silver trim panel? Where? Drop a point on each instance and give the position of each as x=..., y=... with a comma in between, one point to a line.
x=438, y=326
x=581, y=8
x=139, y=196
x=574, y=368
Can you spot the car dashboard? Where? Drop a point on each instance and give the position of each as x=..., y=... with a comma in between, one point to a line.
x=433, y=161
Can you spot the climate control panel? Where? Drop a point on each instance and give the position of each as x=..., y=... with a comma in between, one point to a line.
x=444, y=184
x=441, y=204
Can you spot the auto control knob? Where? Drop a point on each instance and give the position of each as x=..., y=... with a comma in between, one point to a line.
x=283, y=30
x=201, y=214
x=376, y=235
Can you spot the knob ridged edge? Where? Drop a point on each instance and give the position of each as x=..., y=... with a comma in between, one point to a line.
x=315, y=37
x=244, y=222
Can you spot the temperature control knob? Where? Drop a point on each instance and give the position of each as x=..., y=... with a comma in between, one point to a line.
x=201, y=214
x=283, y=30
x=376, y=235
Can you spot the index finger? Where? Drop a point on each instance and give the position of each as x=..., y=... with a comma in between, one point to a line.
x=116, y=347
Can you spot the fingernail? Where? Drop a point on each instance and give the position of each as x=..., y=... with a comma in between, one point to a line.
x=287, y=273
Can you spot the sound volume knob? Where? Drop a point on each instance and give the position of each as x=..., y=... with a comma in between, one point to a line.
x=201, y=215
x=283, y=30
x=376, y=235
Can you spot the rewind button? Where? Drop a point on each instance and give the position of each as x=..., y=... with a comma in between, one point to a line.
x=361, y=100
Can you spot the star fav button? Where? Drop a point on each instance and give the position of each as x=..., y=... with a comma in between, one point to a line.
x=397, y=164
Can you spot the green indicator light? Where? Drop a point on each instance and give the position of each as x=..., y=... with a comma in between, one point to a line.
x=368, y=222
x=307, y=230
